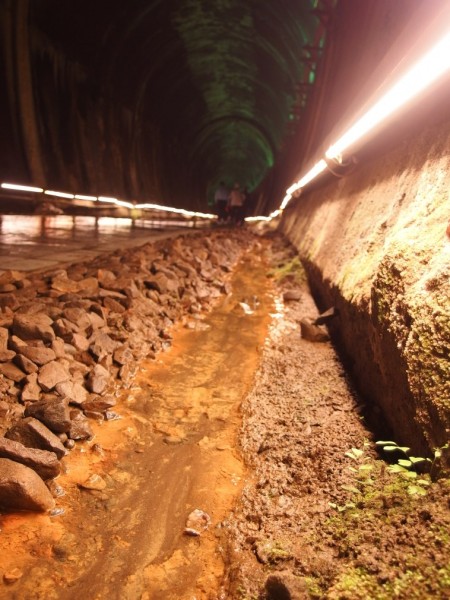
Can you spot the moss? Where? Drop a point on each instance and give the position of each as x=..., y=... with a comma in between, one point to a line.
x=355, y=584
x=292, y=270
x=384, y=515
x=315, y=589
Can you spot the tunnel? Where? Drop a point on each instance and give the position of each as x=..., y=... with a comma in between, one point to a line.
x=253, y=407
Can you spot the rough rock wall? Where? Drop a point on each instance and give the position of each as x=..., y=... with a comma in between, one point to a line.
x=375, y=245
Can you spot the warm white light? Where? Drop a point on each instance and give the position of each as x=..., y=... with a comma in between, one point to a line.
x=106, y=199
x=83, y=197
x=58, y=194
x=253, y=219
x=434, y=64
x=286, y=201
x=312, y=173
x=23, y=188
x=179, y=211
x=115, y=201
x=294, y=187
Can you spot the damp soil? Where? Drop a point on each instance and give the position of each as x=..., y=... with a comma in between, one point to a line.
x=260, y=429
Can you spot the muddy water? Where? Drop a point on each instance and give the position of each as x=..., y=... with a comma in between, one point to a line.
x=173, y=450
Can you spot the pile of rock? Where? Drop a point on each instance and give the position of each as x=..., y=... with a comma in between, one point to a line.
x=68, y=337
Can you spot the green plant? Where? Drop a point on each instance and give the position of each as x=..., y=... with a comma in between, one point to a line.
x=292, y=269
x=407, y=466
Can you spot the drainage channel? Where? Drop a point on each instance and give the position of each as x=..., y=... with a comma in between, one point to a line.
x=129, y=491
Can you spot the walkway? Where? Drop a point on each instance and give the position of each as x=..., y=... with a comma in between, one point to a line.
x=30, y=243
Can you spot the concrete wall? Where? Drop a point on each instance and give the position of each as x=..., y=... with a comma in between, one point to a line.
x=375, y=244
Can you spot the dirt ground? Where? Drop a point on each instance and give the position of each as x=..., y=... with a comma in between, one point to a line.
x=322, y=515
x=272, y=444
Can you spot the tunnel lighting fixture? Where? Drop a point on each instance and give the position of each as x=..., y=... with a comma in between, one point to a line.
x=179, y=211
x=83, y=197
x=115, y=201
x=318, y=168
x=106, y=199
x=58, y=194
x=255, y=219
x=434, y=64
x=22, y=188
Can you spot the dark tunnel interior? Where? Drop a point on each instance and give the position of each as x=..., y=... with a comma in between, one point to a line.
x=157, y=100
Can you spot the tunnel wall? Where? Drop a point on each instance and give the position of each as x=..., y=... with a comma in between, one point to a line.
x=375, y=245
x=65, y=127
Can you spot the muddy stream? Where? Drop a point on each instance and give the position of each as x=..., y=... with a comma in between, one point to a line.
x=128, y=492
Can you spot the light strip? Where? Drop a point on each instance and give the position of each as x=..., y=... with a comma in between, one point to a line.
x=23, y=188
x=180, y=211
x=432, y=66
x=316, y=170
x=115, y=201
x=58, y=194
x=83, y=197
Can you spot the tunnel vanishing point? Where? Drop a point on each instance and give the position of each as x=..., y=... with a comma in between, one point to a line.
x=160, y=100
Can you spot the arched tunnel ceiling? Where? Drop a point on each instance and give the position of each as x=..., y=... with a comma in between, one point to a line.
x=219, y=77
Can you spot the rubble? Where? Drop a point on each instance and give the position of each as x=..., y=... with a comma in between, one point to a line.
x=71, y=336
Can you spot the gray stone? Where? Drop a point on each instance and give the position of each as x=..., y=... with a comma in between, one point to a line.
x=15, y=343
x=39, y=355
x=80, y=342
x=8, y=301
x=123, y=355
x=25, y=364
x=105, y=277
x=313, y=333
x=4, y=409
x=99, y=404
x=98, y=379
x=292, y=295
x=62, y=283
x=54, y=413
x=37, y=326
x=31, y=391
x=4, y=334
x=96, y=320
x=64, y=329
x=73, y=391
x=45, y=463
x=51, y=374
x=79, y=427
x=58, y=347
x=102, y=344
x=114, y=305
x=89, y=287
x=32, y=433
x=22, y=489
x=79, y=317
x=6, y=355
x=10, y=276
x=9, y=370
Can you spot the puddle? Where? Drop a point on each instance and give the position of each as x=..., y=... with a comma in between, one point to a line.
x=173, y=451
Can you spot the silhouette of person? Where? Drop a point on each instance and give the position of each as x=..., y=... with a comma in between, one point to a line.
x=221, y=200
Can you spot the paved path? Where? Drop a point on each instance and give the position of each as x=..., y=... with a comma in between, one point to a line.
x=29, y=243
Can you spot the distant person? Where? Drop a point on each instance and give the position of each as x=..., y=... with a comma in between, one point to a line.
x=236, y=204
x=221, y=200
x=247, y=202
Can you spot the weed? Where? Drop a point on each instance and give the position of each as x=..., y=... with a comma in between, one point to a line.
x=408, y=466
x=292, y=269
